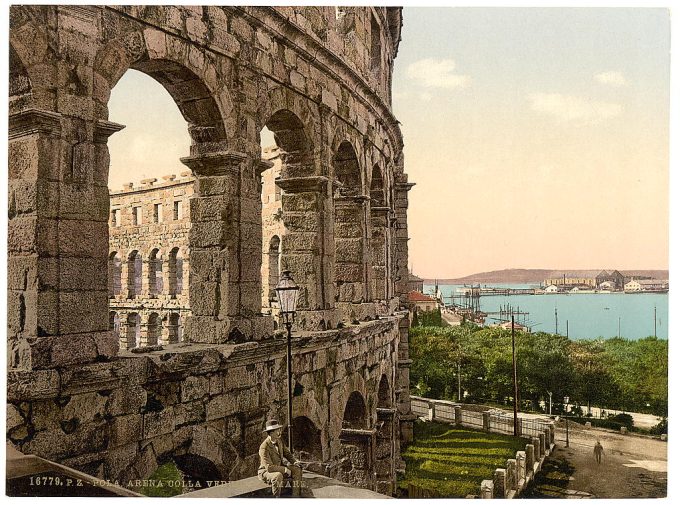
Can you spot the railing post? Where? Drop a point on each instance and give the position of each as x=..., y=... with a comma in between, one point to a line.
x=431, y=412
x=486, y=421
x=458, y=412
x=499, y=483
x=487, y=489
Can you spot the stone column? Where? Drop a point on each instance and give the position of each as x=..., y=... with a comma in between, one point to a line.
x=530, y=458
x=406, y=417
x=511, y=474
x=307, y=247
x=486, y=489
x=147, y=265
x=499, y=483
x=521, y=459
x=536, y=442
x=224, y=285
x=401, y=189
x=458, y=413
x=486, y=421
x=57, y=241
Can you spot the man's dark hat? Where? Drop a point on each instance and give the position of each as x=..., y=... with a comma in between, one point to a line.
x=272, y=424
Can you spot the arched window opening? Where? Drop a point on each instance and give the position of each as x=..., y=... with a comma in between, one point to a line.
x=355, y=416
x=153, y=329
x=273, y=259
x=346, y=169
x=175, y=273
x=134, y=280
x=115, y=273
x=133, y=332
x=306, y=440
x=155, y=273
x=174, y=329
x=384, y=396
x=377, y=188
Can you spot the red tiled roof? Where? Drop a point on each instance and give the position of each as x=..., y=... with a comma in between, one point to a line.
x=417, y=296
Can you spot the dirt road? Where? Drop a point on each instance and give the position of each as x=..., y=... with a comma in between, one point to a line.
x=632, y=467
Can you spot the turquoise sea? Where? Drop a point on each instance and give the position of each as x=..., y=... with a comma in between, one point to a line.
x=589, y=315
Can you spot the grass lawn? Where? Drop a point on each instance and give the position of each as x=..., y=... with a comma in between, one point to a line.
x=452, y=461
x=165, y=479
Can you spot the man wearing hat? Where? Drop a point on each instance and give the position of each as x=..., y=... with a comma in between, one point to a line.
x=272, y=453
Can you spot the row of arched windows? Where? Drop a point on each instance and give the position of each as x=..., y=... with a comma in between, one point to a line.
x=129, y=329
x=154, y=274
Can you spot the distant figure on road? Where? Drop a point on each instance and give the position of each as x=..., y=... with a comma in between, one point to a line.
x=598, y=450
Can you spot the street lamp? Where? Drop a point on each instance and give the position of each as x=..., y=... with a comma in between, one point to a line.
x=287, y=292
x=566, y=417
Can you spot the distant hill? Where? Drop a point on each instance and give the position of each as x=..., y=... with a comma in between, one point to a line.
x=536, y=275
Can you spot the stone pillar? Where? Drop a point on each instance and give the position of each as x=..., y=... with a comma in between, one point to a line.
x=144, y=330
x=307, y=247
x=431, y=411
x=536, y=442
x=57, y=242
x=499, y=483
x=552, y=433
x=147, y=265
x=224, y=287
x=521, y=459
x=541, y=443
x=530, y=458
x=511, y=474
x=401, y=189
x=458, y=413
x=486, y=421
x=352, y=278
x=406, y=417
x=124, y=272
x=486, y=489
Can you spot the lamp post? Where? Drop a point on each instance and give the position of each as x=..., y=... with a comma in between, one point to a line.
x=287, y=293
x=566, y=417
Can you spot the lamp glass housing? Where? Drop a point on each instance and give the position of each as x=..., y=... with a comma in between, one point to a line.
x=287, y=292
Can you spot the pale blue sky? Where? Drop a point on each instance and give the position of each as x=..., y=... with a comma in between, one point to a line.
x=537, y=137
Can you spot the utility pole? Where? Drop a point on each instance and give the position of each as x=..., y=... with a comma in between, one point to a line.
x=514, y=374
x=619, y=327
x=556, y=333
x=550, y=409
x=654, y=321
x=567, y=328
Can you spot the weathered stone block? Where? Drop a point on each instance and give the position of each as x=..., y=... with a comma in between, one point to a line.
x=194, y=388
x=125, y=430
x=158, y=423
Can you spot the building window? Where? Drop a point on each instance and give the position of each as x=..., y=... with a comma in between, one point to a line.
x=136, y=216
x=115, y=217
x=157, y=212
x=177, y=210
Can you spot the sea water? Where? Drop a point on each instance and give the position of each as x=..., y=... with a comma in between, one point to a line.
x=590, y=315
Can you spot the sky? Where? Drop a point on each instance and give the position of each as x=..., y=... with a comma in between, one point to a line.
x=537, y=138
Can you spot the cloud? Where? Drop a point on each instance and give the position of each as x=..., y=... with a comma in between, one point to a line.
x=432, y=73
x=612, y=78
x=572, y=108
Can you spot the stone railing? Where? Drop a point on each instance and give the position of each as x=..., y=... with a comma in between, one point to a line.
x=510, y=481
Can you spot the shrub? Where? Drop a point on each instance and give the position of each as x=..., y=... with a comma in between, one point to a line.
x=625, y=419
x=661, y=428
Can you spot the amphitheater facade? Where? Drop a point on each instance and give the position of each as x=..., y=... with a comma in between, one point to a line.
x=117, y=404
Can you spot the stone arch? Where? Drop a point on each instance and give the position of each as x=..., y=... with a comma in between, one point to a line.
x=384, y=393
x=193, y=83
x=347, y=170
x=355, y=415
x=134, y=274
x=174, y=328
x=115, y=265
x=175, y=272
x=294, y=142
x=377, y=187
x=155, y=272
x=132, y=330
x=153, y=329
x=307, y=444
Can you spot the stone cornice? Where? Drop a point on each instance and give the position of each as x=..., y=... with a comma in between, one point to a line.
x=381, y=210
x=30, y=121
x=215, y=164
x=314, y=183
x=351, y=199
x=404, y=186
x=264, y=165
x=104, y=129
